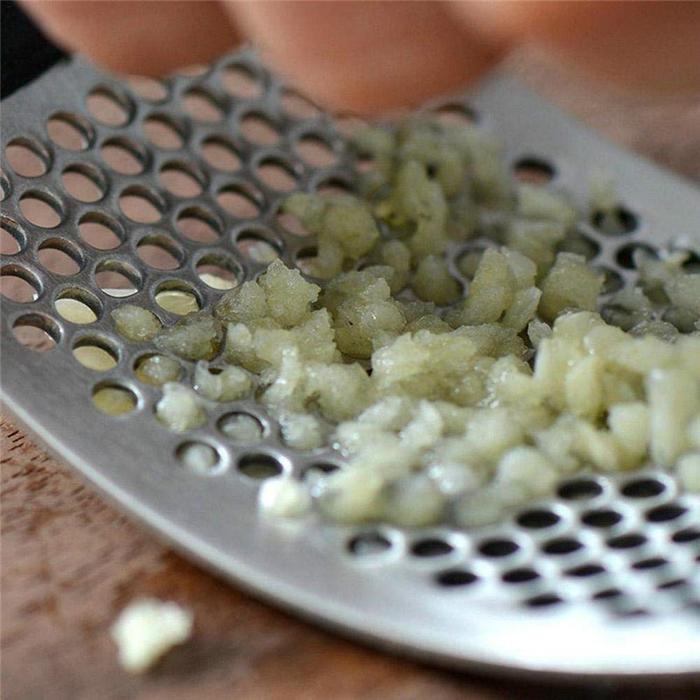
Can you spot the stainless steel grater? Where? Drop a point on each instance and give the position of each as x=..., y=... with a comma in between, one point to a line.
x=602, y=581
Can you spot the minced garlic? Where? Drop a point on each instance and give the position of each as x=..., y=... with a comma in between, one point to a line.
x=444, y=405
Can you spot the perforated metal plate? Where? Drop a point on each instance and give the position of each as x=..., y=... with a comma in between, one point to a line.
x=601, y=581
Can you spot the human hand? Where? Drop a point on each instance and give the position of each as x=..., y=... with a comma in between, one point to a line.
x=370, y=56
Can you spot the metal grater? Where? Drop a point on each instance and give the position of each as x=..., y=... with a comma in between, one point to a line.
x=602, y=581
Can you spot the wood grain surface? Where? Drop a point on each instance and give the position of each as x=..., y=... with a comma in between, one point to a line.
x=70, y=562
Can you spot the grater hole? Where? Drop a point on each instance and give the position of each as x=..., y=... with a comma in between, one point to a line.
x=562, y=546
x=585, y=570
x=291, y=224
x=672, y=584
x=369, y=544
x=314, y=151
x=60, y=257
x=521, y=575
x=348, y=124
x=19, y=285
x=156, y=370
x=123, y=156
x=618, y=222
x=239, y=200
x=682, y=319
x=199, y=458
x=664, y=513
x=5, y=187
x=202, y=106
x=643, y=488
x=27, y=157
x=277, y=174
x=538, y=519
x=691, y=265
x=36, y=332
x=78, y=306
x=259, y=467
x=580, y=245
x=194, y=70
x=149, y=89
x=257, y=246
x=241, y=82
x=40, y=209
x=686, y=535
x=297, y=106
x=601, y=518
x=100, y=231
x=199, y=225
x=628, y=541
x=453, y=578
x=258, y=129
x=13, y=240
x=580, y=489
x=334, y=186
x=109, y=107
x=618, y=315
x=177, y=297
x=649, y=563
x=431, y=547
x=364, y=163
x=612, y=282
x=164, y=132
x=457, y=114
x=69, y=131
x=181, y=179
x=532, y=170
x=117, y=278
x=219, y=272
x=160, y=251
x=318, y=470
x=468, y=261
x=543, y=600
x=305, y=259
x=114, y=399
x=625, y=254
x=141, y=204
x=498, y=547
x=241, y=428
x=95, y=354
x=220, y=154
x=635, y=612
x=83, y=182
x=608, y=594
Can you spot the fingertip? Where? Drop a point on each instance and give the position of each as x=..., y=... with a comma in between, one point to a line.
x=147, y=37
x=367, y=56
x=643, y=46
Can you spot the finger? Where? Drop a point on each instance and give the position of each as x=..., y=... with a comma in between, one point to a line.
x=641, y=45
x=150, y=38
x=367, y=56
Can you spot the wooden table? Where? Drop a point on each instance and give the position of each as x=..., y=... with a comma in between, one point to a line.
x=70, y=561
